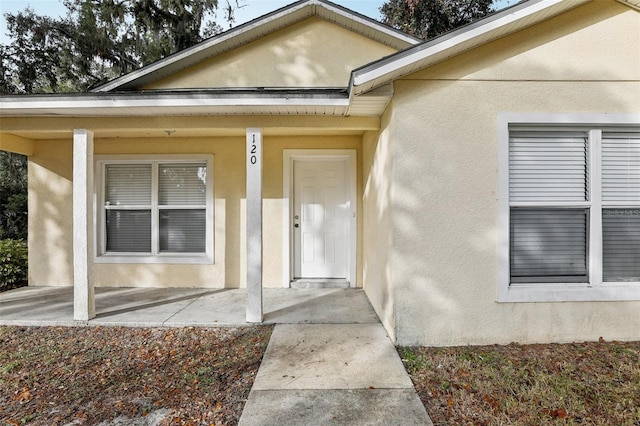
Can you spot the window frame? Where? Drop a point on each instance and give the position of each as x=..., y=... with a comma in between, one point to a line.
x=594, y=289
x=102, y=256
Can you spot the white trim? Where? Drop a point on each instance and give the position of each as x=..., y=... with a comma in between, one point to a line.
x=573, y=293
x=504, y=263
x=254, y=239
x=83, y=286
x=161, y=258
x=174, y=101
x=288, y=157
x=596, y=289
x=595, y=213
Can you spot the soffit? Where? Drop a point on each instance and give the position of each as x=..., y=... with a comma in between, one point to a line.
x=180, y=127
x=632, y=3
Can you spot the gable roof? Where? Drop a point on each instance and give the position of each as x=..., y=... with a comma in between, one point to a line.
x=508, y=21
x=256, y=29
x=369, y=92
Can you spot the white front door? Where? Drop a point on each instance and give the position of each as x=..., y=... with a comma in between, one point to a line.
x=320, y=218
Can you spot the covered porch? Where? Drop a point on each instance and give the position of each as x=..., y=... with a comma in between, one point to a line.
x=184, y=307
x=62, y=178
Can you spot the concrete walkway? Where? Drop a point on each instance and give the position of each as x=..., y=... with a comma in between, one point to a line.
x=329, y=360
x=332, y=374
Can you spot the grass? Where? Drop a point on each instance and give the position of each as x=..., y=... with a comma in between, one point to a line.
x=569, y=384
x=86, y=375
x=193, y=376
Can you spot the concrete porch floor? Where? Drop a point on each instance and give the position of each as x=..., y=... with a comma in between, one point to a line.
x=182, y=307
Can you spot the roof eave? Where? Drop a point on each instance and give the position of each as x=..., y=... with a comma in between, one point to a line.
x=219, y=103
x=631, y=3
x=498, y=25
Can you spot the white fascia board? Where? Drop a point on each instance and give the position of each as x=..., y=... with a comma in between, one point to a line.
x=369, y=22
x=463, y=35
x=631, y=3
x=52, y=103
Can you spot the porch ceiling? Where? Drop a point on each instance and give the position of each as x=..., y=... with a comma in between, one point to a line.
x=34, y=128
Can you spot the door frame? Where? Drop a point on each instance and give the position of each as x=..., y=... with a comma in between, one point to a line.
x=289, y=156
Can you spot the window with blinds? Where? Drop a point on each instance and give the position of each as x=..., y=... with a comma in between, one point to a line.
x=155, y=207
x=621, y=206
x=182, y=196
x=128, y=208
x=569, y=207
x=548, y=192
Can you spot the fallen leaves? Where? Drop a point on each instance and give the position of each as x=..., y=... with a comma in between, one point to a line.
x=86, y=375
x=23, y=395
x=579, y=383
x=557, y=413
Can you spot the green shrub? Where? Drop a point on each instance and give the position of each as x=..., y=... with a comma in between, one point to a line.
x=13, y=264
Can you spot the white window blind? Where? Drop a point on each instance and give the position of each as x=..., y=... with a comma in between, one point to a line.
x=182, y=184
x=621, y=244
x=128, y=203
x=185, y=185
x=569, y=207
x=128, y=184
x=548, y=243
x=128, y=231
x=621, y=167
x=182, y=231
x=548, y=166
x=177, y=214
x=621, y=189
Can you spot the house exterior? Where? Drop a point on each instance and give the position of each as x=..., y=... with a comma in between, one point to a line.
x=481, y=187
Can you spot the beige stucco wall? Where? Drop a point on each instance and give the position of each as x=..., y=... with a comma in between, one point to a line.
x=444, y=209
x=377, y=269
x=50, y=215
x=311, y=53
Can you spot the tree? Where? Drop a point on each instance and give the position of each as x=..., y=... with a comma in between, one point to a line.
x=429, y=18
x=99, y=40
x=13, y=196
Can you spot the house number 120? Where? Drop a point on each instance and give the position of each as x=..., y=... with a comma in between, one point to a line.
x=254, y=150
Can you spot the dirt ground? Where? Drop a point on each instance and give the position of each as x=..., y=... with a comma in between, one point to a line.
x=87, y=375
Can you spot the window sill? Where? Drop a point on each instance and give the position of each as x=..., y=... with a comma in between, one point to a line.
x=187, y=259
x=536, y=293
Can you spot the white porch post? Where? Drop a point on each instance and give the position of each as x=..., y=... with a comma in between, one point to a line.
x=254, y=225
x=83, y=296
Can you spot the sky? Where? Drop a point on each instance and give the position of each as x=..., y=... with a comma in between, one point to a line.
x=250, y=9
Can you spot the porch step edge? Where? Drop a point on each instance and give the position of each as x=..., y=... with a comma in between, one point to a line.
x=318, y=283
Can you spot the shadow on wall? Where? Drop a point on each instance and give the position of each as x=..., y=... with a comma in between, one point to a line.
x=445, y=176
x=50, y=214
x=445, y=212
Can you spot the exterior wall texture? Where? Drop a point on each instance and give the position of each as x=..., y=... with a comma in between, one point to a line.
x=378, y=160
x=445, y=178
x=311, y=53
x=50, y=216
